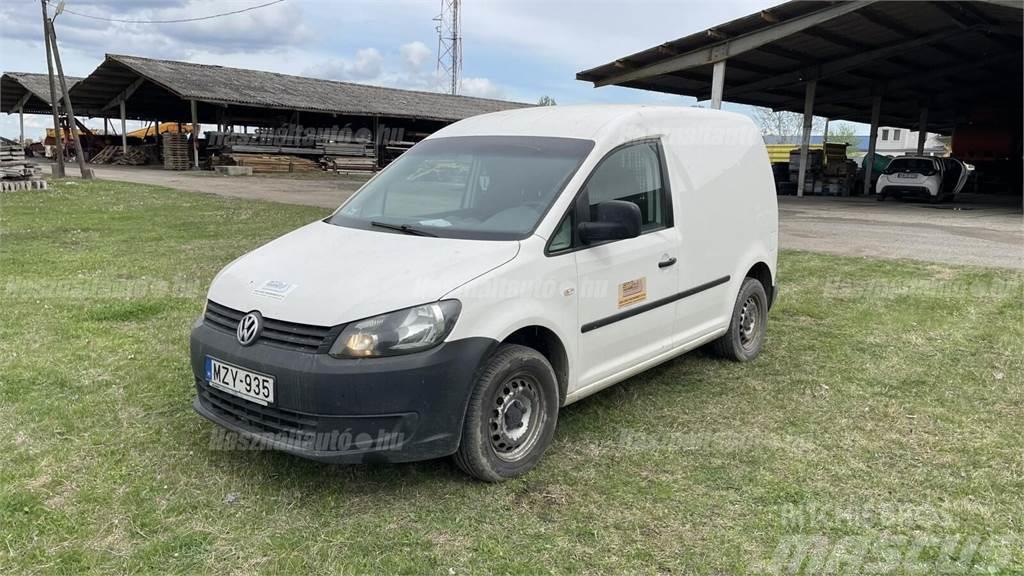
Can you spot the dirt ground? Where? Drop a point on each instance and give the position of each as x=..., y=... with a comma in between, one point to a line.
x=973, y=230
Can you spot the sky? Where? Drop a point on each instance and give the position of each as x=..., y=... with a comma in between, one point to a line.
x=512, y=49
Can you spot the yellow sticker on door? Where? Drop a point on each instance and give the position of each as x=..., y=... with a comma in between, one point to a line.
x=632, y=292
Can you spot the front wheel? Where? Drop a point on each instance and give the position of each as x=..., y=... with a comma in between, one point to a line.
x=511, y=415
x=745, y=337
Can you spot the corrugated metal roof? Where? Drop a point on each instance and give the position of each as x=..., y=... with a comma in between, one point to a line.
x=14, y=86
x=258, y=89
x=949, y=54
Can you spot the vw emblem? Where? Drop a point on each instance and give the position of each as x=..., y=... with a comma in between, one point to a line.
x=249, y=328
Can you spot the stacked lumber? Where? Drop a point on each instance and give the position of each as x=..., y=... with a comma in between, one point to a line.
x=395, y=149
x=136, y=156
x=15, y=172
x=346, y=163
x=177, y=155
x=11, y=152
x=267, y=163
x=105, y=155
x=345, y=156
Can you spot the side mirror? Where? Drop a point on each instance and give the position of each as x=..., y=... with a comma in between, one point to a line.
x=616, y=219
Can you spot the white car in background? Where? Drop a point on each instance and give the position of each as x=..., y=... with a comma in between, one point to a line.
x=928, y=177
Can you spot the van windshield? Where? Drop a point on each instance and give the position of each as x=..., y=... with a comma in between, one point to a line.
x=476, y=187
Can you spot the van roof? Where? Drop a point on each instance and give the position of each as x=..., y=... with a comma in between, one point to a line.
x=583, y=121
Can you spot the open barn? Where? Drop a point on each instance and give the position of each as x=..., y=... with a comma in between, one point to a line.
x=953, y=68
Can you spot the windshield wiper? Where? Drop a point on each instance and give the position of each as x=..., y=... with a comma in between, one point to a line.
x=403, y=228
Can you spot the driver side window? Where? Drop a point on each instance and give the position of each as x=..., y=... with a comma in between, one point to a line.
x=632, y=173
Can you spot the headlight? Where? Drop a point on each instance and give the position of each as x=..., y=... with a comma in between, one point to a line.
x=401, y=332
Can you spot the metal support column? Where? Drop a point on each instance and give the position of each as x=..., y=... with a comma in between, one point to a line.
x=805, y=137
x=124, y=132
x=922, y=130
x=717, y=84
x=876, y=111
x=195, y=137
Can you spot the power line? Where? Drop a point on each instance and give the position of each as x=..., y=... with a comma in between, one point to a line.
x=175, y=21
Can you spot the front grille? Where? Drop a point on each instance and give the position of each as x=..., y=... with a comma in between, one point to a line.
x=302, y=337
x=294, y=426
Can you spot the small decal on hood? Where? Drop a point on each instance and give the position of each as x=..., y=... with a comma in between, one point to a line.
x=275, y=289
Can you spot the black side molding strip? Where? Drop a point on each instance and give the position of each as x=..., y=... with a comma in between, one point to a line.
x=651, y=305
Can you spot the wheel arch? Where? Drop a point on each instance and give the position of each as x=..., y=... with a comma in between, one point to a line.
x=547, y=342
x=763, y=274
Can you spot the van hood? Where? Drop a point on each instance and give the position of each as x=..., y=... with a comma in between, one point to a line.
x=324, y=275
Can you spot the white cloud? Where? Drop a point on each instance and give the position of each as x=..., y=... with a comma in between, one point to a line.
x=481, y=88
x=365, y=66
x=414, y=54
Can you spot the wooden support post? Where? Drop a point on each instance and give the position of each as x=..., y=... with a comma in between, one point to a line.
x=717, y=84
x=69, y=109
x=876, y=112
x=805, y=140
x=124, y=130
x=21, y=124
x=58, y=146
x=922, y=130
x=195, y=137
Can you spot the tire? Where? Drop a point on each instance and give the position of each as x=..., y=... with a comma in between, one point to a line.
x=744, y=339
x=880, y=197
x=511, y=416
x=935, y=199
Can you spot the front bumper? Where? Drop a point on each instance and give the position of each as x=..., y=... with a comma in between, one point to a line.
x=395, y=409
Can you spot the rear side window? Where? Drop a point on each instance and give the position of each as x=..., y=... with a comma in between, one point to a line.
x=633, y=174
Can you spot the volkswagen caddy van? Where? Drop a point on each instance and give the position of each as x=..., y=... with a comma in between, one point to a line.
x=500, y=270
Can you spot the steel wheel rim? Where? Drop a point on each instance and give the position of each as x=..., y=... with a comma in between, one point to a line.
x=749, y=316
x=516, y=418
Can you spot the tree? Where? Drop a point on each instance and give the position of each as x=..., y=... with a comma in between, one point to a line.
x=546, y=101
x=786, y=125
x=846, y=134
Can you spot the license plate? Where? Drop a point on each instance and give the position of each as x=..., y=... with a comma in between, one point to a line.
x=906, y=175
x=252, y=386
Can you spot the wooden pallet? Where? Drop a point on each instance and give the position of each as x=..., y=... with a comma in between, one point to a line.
x=177, y=153
x=105, y=155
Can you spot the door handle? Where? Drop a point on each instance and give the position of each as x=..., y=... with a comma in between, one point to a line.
x=666, y=262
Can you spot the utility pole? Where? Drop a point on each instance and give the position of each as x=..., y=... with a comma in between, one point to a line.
x=54, y=101
x=72, y=124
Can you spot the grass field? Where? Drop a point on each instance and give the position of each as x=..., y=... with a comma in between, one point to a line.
x=881, y=431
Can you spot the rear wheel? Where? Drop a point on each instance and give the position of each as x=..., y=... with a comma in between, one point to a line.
x=511, y=415
x=745, y=337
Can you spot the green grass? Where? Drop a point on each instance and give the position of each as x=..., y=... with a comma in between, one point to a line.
x=885, y=419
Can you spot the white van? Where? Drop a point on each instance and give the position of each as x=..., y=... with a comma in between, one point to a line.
x=503, y=268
